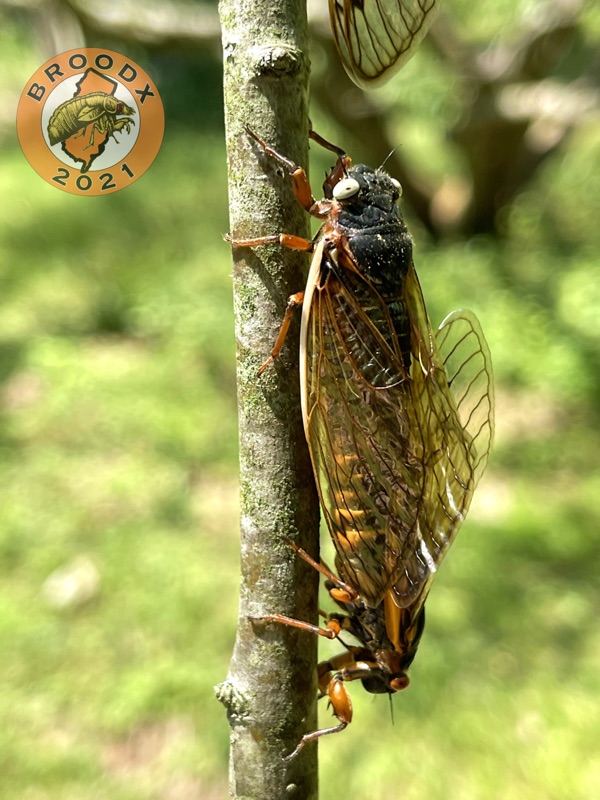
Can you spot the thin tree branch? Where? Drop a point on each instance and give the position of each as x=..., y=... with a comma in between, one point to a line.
x=270, y=691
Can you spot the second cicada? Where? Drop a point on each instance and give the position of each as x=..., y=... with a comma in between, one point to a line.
x=398, y=418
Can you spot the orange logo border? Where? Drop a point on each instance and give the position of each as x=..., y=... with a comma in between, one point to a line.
x=150, y=119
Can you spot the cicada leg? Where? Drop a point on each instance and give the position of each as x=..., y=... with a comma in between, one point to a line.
x=96, y=126
x=91, y=137
x=349, y=592
x=333, y=626
x=300, y=183
x=330, y=686
x=332, y=677
x=343, y=666
x=303, y=194
x=295, y=300
x=119, y=125
x=81, y=133
x=343, y=161
x=340, y=701
x=333, y=148
x=331, y=631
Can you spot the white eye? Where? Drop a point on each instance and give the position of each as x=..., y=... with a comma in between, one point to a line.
x=345, y=188
x=398, y=186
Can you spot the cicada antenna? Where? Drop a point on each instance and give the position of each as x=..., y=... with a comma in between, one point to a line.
x=387, y=158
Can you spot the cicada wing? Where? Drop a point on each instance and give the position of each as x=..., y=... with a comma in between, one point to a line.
x=353, y=455
x=445, y=448
x=468, y=364
x=454, y=407
x=376, y=37
x=381, y=426
x=394, y=465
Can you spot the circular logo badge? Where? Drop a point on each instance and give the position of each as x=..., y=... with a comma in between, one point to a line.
x=90, y=121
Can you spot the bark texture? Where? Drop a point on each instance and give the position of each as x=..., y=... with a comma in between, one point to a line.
x=270, y=692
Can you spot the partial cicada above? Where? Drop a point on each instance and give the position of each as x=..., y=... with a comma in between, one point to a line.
x=375, y=38
x=398, y=418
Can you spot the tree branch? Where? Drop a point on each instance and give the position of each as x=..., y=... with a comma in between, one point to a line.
x=270, y=691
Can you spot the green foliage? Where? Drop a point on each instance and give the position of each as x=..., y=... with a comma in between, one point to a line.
x=118, y=445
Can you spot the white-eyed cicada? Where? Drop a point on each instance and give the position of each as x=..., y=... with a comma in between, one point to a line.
x=398, y=418
x=376, y=37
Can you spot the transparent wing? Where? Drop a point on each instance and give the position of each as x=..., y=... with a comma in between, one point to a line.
x=454, y=414
x=468, y=364
x=394, y=464
x=376, y=37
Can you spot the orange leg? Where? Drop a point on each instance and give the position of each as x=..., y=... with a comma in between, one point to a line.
x=300, y=182
x=310, y=737
x=343, y=161
x=294, y=301
x=333, y=687
x=322, y=568
x=327, y=145
x=303, y=194
x=339, y=700
x=293, y=243
x=344, y=668
x=329, y=632
x=284, y=239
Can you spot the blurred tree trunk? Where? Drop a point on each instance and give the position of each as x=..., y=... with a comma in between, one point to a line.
x=270, y=692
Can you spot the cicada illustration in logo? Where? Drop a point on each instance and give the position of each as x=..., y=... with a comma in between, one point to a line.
x=90, y=121
x=91, y=117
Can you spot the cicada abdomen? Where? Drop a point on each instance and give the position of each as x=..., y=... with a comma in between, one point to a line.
x=398, y=418
x=375, y=38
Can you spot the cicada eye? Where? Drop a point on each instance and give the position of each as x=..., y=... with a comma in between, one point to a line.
x=397, y=185
x=346, y=188
x=399, y=682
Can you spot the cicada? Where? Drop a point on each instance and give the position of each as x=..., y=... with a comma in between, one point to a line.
x=398, y=419
x=96, y=111
x=375, y=38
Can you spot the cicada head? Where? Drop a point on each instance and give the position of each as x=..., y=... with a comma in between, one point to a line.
x=363, y=187
x=393, y=664
x=117, y=107
x=123, y=108
x=382, y=683
x=365, y=207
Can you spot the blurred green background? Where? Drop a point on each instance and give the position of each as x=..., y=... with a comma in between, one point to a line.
x=118, y=506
